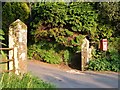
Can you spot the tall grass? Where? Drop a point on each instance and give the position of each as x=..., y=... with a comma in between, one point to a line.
x=26, y=81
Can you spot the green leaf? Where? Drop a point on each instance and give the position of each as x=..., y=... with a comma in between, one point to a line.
x=2, y=38
x=2, y=44
x=1, y=32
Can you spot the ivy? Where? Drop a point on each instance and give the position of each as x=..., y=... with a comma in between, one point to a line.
x=68, y=24
x=81, y=19
x=65, y=24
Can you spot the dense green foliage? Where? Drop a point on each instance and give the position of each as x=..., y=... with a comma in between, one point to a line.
x=110, y=60
x=109, y=14
x=49, y=52
x=51, y=24
x=66, y=25
x=12, y=11
x=57, y=29
x=110, y=19
x=25, y=81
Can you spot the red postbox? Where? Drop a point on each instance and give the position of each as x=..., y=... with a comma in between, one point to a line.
x=103, y=44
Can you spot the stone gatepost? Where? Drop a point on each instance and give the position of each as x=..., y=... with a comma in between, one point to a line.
x=84, y=53
x=18, y=41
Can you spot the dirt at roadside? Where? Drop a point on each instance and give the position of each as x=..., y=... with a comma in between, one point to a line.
x=69, y=69
x=61, y=66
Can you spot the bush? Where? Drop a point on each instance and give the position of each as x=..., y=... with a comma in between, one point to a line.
x=50, y=52
x=12, y=11
x=99, y=65
x=66, y=24
x=105, y=64
x=66, y=55
x=45, y=52
x=109, y=60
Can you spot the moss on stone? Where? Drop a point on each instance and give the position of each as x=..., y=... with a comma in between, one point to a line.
x=15, y=24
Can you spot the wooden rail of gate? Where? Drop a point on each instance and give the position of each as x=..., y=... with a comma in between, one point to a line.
x=8, y=60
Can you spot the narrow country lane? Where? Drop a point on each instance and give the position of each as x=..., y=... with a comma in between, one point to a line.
x=71, y=79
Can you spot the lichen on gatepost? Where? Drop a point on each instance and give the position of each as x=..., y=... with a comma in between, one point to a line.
x=18, y=41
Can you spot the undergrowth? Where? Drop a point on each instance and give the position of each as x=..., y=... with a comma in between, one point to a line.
x=49, y=52
x=109, y=60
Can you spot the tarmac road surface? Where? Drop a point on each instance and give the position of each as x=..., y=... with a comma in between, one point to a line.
x=72, y=78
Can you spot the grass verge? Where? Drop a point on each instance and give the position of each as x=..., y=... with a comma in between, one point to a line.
x=26, y=81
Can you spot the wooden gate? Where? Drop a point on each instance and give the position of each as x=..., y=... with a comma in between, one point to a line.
x=6, y=61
